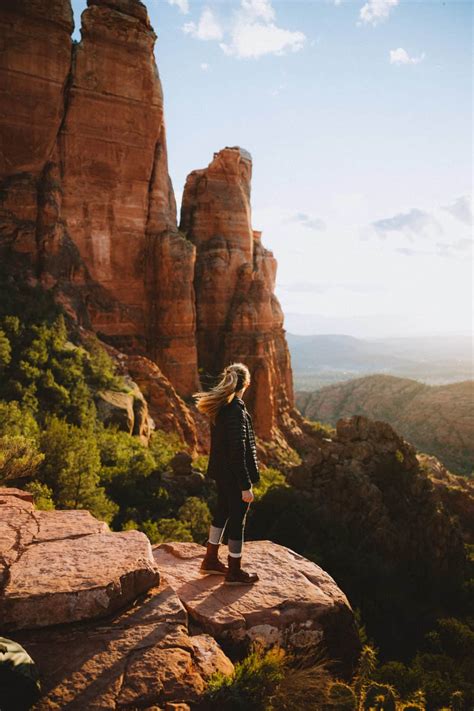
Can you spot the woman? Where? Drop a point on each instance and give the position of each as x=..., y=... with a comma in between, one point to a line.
x=234, y=467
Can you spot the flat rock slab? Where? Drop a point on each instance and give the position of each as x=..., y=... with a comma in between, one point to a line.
x=140, y=658
x=65, y=566
x=295, y=603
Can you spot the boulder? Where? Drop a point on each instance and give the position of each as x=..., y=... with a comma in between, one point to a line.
x=181, y=463
x=64, y=566
x=116, y=408
x=127, y=410
x=295, y=603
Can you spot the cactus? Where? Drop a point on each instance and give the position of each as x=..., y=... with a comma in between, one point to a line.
x=456, y=702
x=342, y=697
x=379, y=697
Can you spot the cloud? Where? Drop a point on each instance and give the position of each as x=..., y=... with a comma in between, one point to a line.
x=204, y=66
x=312, y=223
x=375, y=11
x=461, y=209
x=401, y=56
x=207, y=28
x=259, y=8
x=440, y=222
x=183, y=5
x=414, y=223
x=251, y=32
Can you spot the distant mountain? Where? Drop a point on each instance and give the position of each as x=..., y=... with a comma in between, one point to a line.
x=438, y=420
x=321, y=360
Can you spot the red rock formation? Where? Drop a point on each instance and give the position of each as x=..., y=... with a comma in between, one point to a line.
x=85, y=187
x=118, y=202
x=316, y=613
x=62, y=567
x=35, y=62
x=238, y=316
x=87, y=204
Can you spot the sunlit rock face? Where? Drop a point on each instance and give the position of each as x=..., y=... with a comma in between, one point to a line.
x=86, y=194
x=238, y=317
x=87, y=209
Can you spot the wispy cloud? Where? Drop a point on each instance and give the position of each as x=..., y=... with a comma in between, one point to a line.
x=461, y=209
x=183, y=5
x=207, y=28
x=312, y=223
x=204, y=66
x=432, y=233
x=376, y=11
x=251, y=33
x=414, y=223
x=401, y=56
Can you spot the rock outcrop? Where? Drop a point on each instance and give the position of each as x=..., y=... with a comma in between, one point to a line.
x=65, y=566
x=141, y=658
x=436, y=419
x=368, y=480
x=89, y=607
x=238, y=315
x=112, y=623
x=295, y=603
x=455, y=492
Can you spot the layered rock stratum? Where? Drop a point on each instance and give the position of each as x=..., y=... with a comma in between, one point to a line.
x=87, y=209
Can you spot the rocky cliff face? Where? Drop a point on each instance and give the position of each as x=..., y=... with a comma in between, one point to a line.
x=238, y=315
x=88, y=209
x=86, y=192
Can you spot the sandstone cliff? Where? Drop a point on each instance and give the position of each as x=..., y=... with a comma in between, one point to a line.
x=238, y=315
x=87, y=209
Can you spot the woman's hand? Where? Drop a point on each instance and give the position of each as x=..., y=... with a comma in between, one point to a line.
x=247, y=496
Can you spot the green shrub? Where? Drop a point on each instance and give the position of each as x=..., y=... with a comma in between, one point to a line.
x=163, y=446
x=166, y=529
x=19, y=457
x=42, y=495
x=71, y=469
x=269, y=477
x=195, y=514
x=254, y=680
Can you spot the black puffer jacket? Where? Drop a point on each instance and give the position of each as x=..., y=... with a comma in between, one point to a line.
x=233, y=452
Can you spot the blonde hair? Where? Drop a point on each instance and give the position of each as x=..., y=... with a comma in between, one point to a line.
x=232, y=378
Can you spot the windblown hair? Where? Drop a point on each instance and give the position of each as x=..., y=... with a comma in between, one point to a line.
x=232, y=379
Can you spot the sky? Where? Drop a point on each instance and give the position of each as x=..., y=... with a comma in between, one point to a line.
x=358, y=117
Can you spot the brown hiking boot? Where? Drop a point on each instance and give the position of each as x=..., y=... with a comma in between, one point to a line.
x=237, y=576
x=211, y=563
